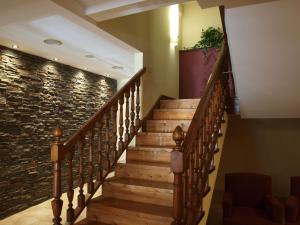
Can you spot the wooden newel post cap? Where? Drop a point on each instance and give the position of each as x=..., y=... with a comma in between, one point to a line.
x=176, y=154
x=57, y=153
x=178, y=135
x=57, y=132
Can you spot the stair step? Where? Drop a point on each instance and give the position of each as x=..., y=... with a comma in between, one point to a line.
x=89, y=222
x=159, y=193
x=151, y=171
x=124, y=212
x=149, y=153
x=167, y=125
x=154, y=139
x=173, y=114
x=179, y=104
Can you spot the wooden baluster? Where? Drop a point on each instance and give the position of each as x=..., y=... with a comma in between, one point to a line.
x=127, y=95
x=206, y=155
x=70, y=191
x=91, y=165
x=107, y=140
x=132, y=113
x=100, y=148
x=114, y=133
x=121, y=128
x=177, y=169
x=138, y=108
x=81, y=197
x=56, y=157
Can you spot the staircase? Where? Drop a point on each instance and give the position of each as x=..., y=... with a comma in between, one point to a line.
x=142, y=190
x=166, y=175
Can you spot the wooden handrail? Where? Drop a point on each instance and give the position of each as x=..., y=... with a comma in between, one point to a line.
x=193, y=157
x=102, y=110
x=102, y=136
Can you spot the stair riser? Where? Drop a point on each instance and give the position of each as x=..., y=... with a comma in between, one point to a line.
x=145, y=172
x=118, y=216
x=173, y=115
x=166, y=125
x=138, y=193
x=179, y=104
x=154, y=140
x=152, y=156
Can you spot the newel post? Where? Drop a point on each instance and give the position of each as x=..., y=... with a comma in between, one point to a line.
x=57, y=156
x=177, y=169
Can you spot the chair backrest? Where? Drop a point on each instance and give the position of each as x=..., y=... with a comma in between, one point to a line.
x=248, y=189
x=295, y=186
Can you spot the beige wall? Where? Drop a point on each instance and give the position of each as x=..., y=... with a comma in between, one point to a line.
x=269, y=146
x=149, y=33
x=264, y=45
x=194, y=19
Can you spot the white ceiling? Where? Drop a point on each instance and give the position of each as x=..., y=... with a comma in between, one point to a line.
x=74, y=22
x=100, y=10
x=28, y=23
x=264, y=45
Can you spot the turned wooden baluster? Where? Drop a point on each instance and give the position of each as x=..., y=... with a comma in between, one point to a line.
x=91, y=165
x=81, y=197
x=177, y=169
x=132, y=113
x=99, y=152
x=70, y=191
x=138, y=108
x=57, y=155
x=127, y=95
x=206, y=167
x=114, y=132
x=107, y=140
x=121, y=128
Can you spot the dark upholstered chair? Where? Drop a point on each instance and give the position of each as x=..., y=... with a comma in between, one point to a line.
x=292, y=206
x=248, y=200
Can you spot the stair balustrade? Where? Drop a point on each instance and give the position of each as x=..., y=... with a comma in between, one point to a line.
x=93, y=151
x=192, y=159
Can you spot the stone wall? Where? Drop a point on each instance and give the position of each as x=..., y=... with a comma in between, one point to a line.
x=36, y=94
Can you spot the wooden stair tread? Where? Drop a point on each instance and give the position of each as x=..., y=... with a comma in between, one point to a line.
x=164, y=134
x=148, y=163
x=151, y=148
x=132, y=206
x=139, y=182
x=175, y=110
x=179, y=103
x=89, y=222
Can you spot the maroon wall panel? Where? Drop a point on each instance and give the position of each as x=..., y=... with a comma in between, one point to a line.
x=195, y=66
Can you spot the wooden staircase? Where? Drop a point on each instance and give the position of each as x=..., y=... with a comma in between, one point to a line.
x=141, y=193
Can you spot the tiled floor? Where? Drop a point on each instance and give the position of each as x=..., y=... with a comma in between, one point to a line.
x=41, y=214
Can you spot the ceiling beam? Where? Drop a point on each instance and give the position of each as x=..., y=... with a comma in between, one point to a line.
x=229, y=3
x=138, y=7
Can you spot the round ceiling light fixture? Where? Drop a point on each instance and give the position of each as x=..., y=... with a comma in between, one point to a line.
x=52, y=42
x=14, y=46
x=117, y=67
x=90, y=56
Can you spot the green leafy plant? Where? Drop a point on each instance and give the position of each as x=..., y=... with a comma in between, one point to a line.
x=210, y=38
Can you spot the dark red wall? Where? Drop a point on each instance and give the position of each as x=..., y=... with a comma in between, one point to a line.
x=195, y=66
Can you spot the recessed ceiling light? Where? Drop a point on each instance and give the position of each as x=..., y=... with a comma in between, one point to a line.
x=85, y=68
x=117, y=67
x=52, y=42
x=55, y=59
x=15, y=46
x=90, y=56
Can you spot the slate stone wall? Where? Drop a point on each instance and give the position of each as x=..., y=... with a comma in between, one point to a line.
x=36, y=94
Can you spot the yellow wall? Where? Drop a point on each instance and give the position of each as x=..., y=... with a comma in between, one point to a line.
x=149, y=33
x=268, y=146
x=194, y=19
